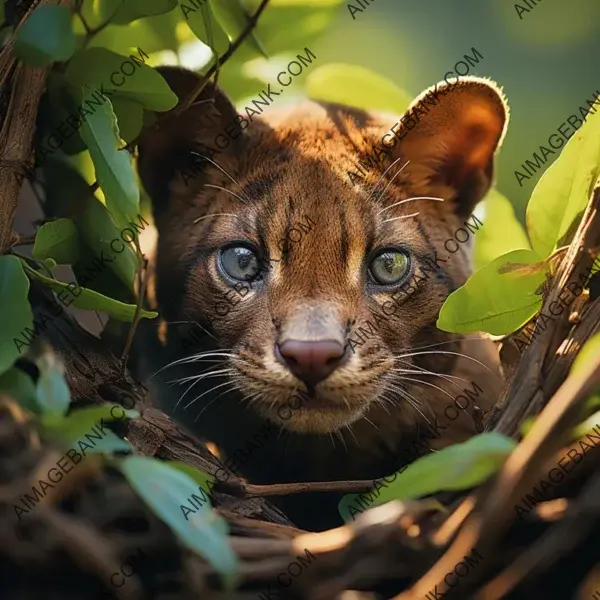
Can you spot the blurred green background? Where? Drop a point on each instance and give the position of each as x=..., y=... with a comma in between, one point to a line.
x=546, y=61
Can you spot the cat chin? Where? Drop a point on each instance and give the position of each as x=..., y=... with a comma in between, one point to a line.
x=312, y=419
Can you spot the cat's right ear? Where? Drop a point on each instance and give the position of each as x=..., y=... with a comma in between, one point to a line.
x=171, y=148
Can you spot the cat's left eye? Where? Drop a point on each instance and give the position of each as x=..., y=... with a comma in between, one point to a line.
x=389, y=267
x=239, y=263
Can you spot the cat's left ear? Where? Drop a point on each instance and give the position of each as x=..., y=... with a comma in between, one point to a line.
x=450, y=134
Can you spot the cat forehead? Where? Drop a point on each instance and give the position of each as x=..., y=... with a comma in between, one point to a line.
x=336, y=144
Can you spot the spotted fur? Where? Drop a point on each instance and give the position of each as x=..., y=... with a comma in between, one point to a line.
x=287, y=166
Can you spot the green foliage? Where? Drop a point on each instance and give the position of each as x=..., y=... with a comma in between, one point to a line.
x=96, y=67
x=501, y=297
x=495, y=301
x=16, y=312
x=503, y=234
x=201, y=478
x=164, y=489
x=16, y=384
x=58, y=240
x=130, y=116
x=81, y=421
x=46, y=37
x=563, y=191
x=457, y=467
x=233, y=18
x=52, y=393
x=589, y=351
x=91, y=300
x=356, y=86
x=113, y=166
x=310, y=18
x=205, y=26
x=122, y=12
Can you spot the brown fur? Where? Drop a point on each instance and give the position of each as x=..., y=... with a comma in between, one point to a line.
x=290, y=164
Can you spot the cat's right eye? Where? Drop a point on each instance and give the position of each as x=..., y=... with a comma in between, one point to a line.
x=389, y=267
x=239, y=263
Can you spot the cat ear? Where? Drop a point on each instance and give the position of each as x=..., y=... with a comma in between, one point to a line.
x=450, y=134
x=170, y=148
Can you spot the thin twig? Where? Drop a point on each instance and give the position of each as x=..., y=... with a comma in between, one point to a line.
x=143, y=274
x=220, y=61
x=242, y=489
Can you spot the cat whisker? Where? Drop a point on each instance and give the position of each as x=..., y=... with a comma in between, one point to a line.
x=340, y=436
x=247, y=201
x=199, y=378
x=215, y=215
x=410, y=200
x=207, y=392
x=371, y=423
x=200, y=375
x=413, y=402
x=402, y=217
x=349, y=428
x=193, y=358
x=200, y=326
x=437, y=387
x=391, y=181
x=464, y=339
x=218, y=187
x=212, y=401
x=421, y=371
x=445, y=352
x=385, y=173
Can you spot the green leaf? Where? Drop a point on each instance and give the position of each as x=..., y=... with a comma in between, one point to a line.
x=57, y=110
x=589, y=351
x=99, y=231
x=200, y=477
x=587, y=426
x=91, y=300
x=95, y=68
x=57, y=240
x=46, y=37
x=234, y=19
x=456, y=467
x=563, y=191
x=122, y=12
x=356, y=86
x=498, y=303
x=197, y=18
x=16, y=312
x=504, y=232
x=129, y=115
x=310, y=19
x=113, y=166
x=49, y=263
x=52, y=392
x=109, y=444
x=18, y=385
x=80, y=422
x=68, y=192
x=165, y=489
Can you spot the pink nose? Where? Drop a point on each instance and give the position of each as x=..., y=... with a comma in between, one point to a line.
x=311, y=362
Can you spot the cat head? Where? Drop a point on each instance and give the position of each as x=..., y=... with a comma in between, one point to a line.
x=316, y=244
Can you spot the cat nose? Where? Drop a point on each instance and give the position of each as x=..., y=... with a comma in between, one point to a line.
x=311, y=362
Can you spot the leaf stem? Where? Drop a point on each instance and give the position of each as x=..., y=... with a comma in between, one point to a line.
x=221, y=60
x=142, y=275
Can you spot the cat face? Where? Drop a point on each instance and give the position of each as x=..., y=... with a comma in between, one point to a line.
x=308, y=280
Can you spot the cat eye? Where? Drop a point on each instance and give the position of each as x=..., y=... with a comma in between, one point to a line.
x=239, y=263
x=389, y=267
